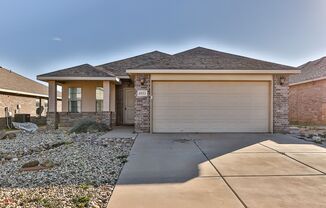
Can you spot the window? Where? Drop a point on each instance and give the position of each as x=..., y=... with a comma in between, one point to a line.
x=37, y=103
x=99, y=99
x=74, y=100
x=45, y=103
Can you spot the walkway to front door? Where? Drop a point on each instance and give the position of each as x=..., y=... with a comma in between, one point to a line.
x=221, y=170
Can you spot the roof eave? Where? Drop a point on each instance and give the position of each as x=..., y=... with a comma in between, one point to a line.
x=50, y=78
x=26, y=93
x=307, y=81
x=210, y=71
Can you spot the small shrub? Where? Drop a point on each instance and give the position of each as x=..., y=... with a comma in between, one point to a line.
x=84, y=186
x=81, y=201
x=85, y=126
x=122, y=156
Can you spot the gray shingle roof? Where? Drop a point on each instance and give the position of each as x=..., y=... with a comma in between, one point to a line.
x=11, y=81
x=84, y=70
x=203, y=58
x=119, y=67
x=311, y=70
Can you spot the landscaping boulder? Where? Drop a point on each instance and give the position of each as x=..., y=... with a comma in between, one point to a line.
x=30, y=164
x=48, y=164
x=10, y=135
x=2, y=135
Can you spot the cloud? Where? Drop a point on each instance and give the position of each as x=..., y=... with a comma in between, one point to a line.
x=58, y=39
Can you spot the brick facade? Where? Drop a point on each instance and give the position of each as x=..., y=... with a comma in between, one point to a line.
x=67, y=120
x=280, y=103
x=142, y=104
x=307, y=103
x=52, y=120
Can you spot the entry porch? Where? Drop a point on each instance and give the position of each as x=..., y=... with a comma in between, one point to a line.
x=105, y=101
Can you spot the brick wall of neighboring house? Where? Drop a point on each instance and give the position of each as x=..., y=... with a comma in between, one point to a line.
x=307, y=103
x=142, y=104
x=125, y=83
x=28, y=106
x=280, y=103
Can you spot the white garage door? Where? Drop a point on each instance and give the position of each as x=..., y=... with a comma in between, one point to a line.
x=211, y=106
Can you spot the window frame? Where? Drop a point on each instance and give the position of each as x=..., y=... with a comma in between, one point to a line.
x=99, y=100
x=77, y=100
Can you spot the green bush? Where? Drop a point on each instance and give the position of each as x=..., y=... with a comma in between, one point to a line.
x=85, y=126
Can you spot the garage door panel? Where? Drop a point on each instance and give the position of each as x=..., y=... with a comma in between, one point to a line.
x=221, y=127
x=210, y=106
x=210, y=100
x=209, y=87
x=243, y=113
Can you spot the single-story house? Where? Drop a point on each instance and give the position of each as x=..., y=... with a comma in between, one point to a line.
x=307, y=99
x=198, y=90
x=20, y=95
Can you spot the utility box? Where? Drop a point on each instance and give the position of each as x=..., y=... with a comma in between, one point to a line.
x=22, y=118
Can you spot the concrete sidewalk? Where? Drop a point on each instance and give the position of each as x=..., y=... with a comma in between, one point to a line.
x=221, y=170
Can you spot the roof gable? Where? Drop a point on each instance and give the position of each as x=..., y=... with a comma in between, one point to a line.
x=310, y=70
x=119, y=67
x=84, y=70
x=206, y=59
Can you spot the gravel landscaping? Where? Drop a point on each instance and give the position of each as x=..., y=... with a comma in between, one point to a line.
x=56, y=169
x=315, y=134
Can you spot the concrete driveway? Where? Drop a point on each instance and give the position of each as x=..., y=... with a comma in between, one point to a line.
x=222, y=170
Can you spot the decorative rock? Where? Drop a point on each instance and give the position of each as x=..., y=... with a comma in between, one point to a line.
x=31, y=164
x=11, y=135
x=15, y=159
x=2, y=135
x=48, y=164
x=294, y=130
x=317, y=139
x=76, y=159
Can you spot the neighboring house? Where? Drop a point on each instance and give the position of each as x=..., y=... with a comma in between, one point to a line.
x=199, y=90
x=19, y=94
x=307, y=100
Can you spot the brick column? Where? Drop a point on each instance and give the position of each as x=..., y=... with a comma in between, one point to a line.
x=142, y=104
x=280, y=103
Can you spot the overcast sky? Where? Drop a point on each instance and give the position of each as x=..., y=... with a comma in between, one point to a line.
x=38, y=36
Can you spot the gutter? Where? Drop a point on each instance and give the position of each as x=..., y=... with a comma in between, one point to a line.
x=26, y=93
x=205, y=71
x=307, y=81
x=77, y=78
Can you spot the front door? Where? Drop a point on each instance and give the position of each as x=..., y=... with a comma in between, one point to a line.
x=129, y=106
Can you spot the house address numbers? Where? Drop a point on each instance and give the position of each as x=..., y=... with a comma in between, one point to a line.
x=142, y=93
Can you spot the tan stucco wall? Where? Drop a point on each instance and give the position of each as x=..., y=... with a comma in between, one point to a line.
x=88, y=89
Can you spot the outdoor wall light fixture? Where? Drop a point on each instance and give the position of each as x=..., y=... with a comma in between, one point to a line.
x=142, y=81
x=282, y=80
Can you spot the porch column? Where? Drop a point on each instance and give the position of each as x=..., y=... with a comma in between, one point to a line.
x=106, y=114
x=106, y=96
x=52, y=110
